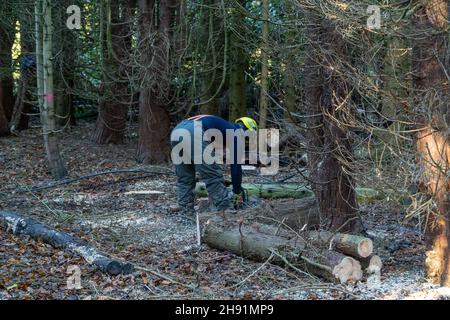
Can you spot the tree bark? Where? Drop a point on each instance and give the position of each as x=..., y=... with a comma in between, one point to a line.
x=431, y=69
x=65, y=63
x=7, y=85
x=213, y=64
x=7, y=35
x=115, y=94
x=263, y=98
x=356, y=246
x=19, y=118
x=296, y=214
x=4, y=129
x=20, y=225
x=238, y=64
x=154, y=121
x=46, y=94
x=329, y=147
x=352, y=245
x=292, y=58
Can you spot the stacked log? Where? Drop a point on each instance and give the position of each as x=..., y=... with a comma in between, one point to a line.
x=243, y=239
x=352, y=245
x=336, y=257
x=358, y=247
x=372, y=265
x=284, y=226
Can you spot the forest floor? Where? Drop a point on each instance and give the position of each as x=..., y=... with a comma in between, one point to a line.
x=149, y=234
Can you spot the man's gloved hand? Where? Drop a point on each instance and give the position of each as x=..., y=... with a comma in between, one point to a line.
x=239, y=199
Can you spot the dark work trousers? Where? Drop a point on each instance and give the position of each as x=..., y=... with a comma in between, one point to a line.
x=211, y=174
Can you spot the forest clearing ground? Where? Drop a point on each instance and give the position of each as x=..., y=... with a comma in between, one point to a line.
x=147, y=233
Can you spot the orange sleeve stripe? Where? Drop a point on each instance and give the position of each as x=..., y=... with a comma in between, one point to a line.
x=198, y=117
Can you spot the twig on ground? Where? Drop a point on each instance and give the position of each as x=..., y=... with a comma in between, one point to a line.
x=252, y=274
x=165, y=277
x=292, y=266
x=45, y=205
x=159, y=171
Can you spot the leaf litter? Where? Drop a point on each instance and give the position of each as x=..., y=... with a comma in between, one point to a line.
x=147, y=232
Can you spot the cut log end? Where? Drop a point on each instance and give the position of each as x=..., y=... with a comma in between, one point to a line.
x=114, y=268
x=375, y=265
x=365, y=248
x=349, y=270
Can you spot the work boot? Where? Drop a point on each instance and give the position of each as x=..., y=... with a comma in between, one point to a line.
x=226, y=203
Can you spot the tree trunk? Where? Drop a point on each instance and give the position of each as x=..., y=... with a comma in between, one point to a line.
x=430, y=64
x=65, y=63
x=4, y=129
x=329, y=147
x=291, y=60
x=115, y=94
x=213, y=64
x=264, y=98
x=7, y=35
x=154, y=121
x=46, y=93
x=238, y=65
x=7, y=85
x=19, y=118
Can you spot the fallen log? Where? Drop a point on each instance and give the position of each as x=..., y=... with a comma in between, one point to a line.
x=359, y=247
x=279, y=231
x=352, y=245
x=19, y=225
x=372, y=266
x=293, y=213
x=244, y=240
x=266, y=191
x=300, y=191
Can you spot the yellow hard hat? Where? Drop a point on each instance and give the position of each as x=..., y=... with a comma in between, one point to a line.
x=249, y=123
